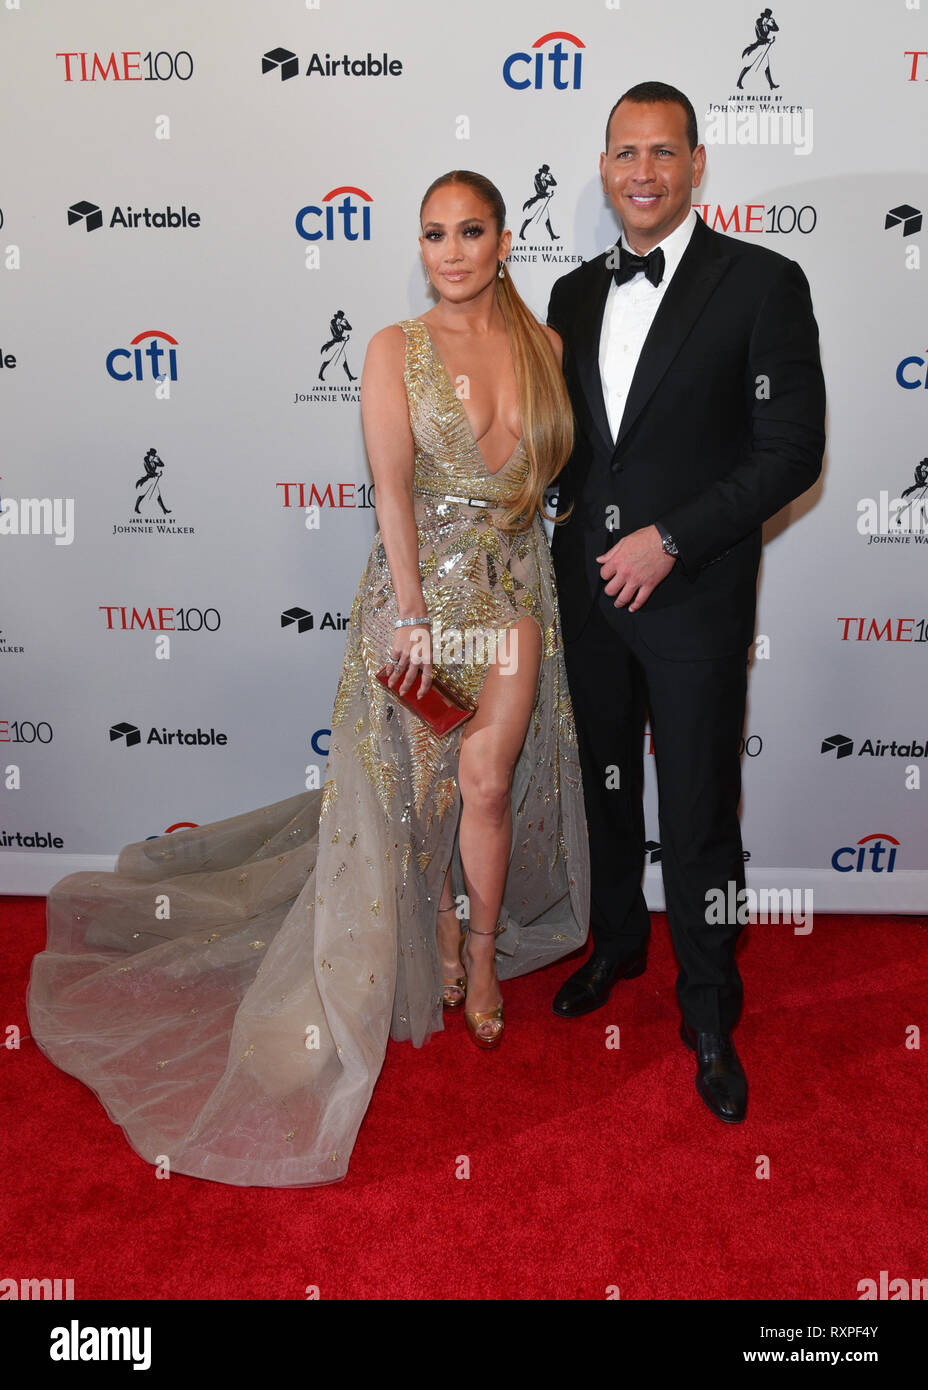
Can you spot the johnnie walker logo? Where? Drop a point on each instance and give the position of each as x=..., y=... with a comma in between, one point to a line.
x=151, y=515
x=756, y=111
x=887, y=519
x=537, y=240
x=335, y=379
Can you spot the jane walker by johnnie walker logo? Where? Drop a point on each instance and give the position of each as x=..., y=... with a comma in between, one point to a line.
x=756, y=112
x=151, y=514
x=537, y=238
x=335, y=380
x=903, y=520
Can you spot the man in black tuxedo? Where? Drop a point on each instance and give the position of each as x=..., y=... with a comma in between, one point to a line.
x=693, y=367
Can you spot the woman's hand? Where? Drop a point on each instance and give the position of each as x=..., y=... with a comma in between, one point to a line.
x=411, y=654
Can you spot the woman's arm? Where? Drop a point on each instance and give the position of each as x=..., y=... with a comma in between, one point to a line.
x=390, y=450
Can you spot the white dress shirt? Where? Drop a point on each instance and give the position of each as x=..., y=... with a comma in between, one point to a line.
x=627, y=319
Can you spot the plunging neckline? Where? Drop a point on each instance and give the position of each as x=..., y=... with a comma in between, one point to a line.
x=491, y=472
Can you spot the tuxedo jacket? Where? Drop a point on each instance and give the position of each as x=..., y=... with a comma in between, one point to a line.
x=723, y=426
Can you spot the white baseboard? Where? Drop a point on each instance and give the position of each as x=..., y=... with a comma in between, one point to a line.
x=33, y=874
x=904, y=891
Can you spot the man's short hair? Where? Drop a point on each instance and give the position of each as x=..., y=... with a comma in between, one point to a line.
x=646, y=92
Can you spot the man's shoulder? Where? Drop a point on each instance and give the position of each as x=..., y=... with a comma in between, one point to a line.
x=581, y=275
x=760, y=261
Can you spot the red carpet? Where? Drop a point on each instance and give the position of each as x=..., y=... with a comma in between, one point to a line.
x=589, y=1168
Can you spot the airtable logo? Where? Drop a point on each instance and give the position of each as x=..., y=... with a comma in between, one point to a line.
x=303, y=621
x=285, y=62
x=522, y=70
x=338, y=219
x=85, y=212
x=91, y=216
x=906, y=217
x=132, y=736
x=843, y=747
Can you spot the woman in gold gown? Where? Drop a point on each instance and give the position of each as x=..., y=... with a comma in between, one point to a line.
x=229, y=990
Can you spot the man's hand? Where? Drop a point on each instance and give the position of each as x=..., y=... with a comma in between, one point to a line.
x=634, y=567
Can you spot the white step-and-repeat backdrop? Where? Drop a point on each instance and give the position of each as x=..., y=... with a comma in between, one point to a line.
x=207, y=208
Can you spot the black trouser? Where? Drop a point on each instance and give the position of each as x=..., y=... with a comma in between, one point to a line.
x=697, y=715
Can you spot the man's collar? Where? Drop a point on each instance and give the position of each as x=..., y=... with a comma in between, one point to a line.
x=674, y=243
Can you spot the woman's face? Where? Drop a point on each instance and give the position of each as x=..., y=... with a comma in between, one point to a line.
x=459, y=242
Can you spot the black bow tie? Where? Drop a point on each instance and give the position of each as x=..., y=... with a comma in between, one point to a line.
x=652, y=264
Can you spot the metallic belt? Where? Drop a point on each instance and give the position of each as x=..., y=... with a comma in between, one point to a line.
x=466, y=501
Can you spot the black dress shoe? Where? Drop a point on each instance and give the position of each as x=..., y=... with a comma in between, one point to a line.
x=720, y=1078
x=590, y=986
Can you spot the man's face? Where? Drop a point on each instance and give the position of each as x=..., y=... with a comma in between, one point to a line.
x=648, y=172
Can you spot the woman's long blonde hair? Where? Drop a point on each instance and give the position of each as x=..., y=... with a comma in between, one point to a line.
x=544, y=405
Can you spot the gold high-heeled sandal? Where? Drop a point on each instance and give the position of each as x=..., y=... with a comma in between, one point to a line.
x=475, y=1021
x=451, y=1003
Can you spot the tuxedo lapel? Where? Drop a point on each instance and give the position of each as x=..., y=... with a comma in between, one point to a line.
x=701, y=267
x=590, y=306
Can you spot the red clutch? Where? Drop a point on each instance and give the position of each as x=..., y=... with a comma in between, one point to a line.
x=440, y=708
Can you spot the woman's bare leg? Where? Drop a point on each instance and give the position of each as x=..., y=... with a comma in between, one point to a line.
x=490, y=748
x=448, y=932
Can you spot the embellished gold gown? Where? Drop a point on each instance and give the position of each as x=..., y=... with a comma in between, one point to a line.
x=229, y=990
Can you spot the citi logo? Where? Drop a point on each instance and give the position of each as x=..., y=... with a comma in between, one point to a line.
x=285, y=62
x=135, y=354
x=178, y=825
x=910, y=374
x=522, y=70
x=131, y=735
x=853, y=859
x=338, y=219
x=303, y=621
x=91, y=216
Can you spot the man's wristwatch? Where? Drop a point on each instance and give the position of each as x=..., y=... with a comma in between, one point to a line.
x=668, y=544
